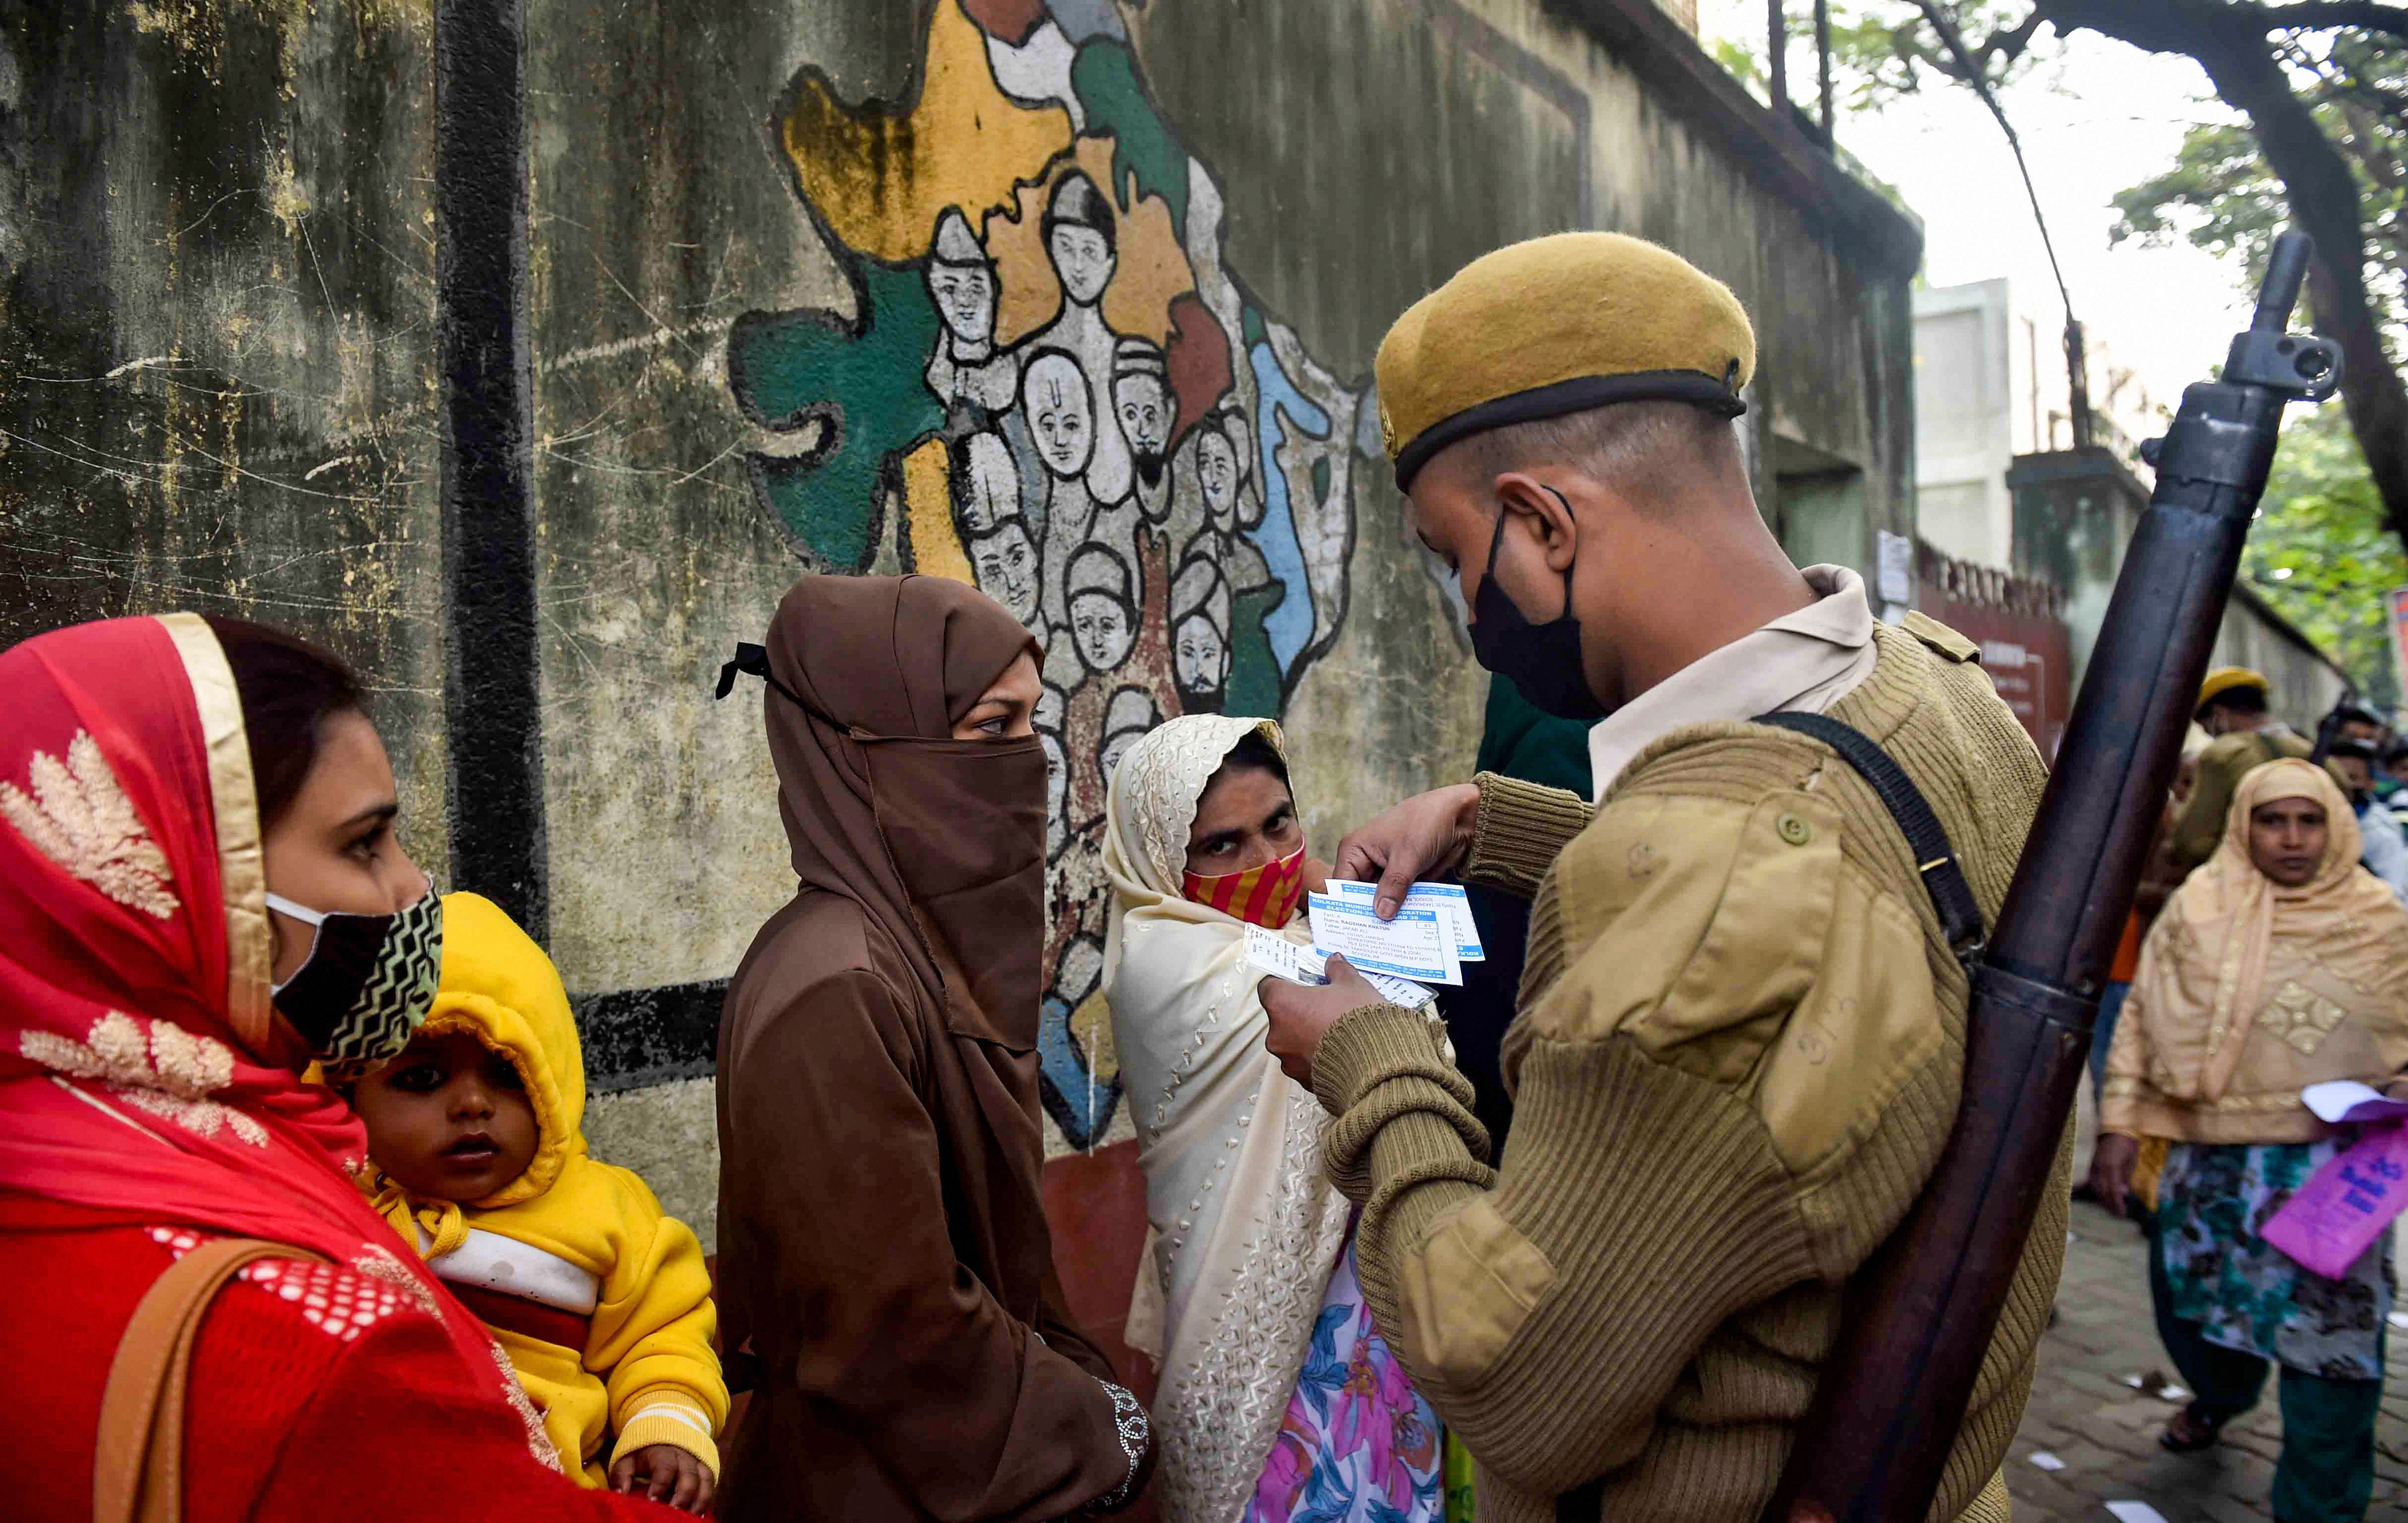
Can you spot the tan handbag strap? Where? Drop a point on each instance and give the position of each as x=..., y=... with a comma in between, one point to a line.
x=138, y=1465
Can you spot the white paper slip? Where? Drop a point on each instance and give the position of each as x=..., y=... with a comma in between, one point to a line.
x=2136, y=1511
x=1399, y=991
x=2346, y=1100
x=1280, y=958
x=1277, y=956
x=1417, y=944
x=1447, y=896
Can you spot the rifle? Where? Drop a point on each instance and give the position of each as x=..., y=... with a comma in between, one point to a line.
x=1918, y=1318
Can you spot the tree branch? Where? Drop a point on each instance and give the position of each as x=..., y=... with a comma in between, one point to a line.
x=2324, y=15
x=2009, y=43
x=2229, y=41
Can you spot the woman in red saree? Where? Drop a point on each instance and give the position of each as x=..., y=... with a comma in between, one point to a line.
x=150, y=1099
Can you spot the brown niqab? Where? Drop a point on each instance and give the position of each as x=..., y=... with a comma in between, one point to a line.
x=884, y=1246
x=941, y=841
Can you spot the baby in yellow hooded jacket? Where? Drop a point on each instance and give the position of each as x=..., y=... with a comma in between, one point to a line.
x=600, y=1298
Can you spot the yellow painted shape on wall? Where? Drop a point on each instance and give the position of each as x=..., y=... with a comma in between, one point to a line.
x=1092, y=1024
x=1150, y=269
x=879, y=178
x=929, y=514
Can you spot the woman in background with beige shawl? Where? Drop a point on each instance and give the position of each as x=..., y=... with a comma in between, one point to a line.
x=1277, y=1398
x=2278, y=964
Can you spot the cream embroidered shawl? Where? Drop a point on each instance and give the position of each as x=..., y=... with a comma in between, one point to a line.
x=1245, y=1226
x=2320, y=971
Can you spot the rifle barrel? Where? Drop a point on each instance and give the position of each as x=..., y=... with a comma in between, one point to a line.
x=1918, y=1318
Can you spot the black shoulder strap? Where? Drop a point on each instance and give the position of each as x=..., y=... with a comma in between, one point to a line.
x=1960, y=915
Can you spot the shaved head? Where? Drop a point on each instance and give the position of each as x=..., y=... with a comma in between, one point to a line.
x=1652, y=453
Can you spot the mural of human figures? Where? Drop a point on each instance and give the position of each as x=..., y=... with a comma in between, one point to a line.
x=1051, y=385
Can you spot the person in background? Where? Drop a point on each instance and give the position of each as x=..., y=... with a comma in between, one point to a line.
x=2359, y=723
x=2159, y=878
x=2387, y=846
x=201, y=894
x=1520, y=740
x=2241, y=736
x=883, y=1252
x=2393, y=781
x=2277, y=965
x=600, y=1298
x=1272, y=1374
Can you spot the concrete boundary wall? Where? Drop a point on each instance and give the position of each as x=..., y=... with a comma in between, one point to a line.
x=835, y=285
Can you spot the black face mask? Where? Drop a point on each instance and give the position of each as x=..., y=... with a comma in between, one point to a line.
x=367, y=984
x=1542, y=660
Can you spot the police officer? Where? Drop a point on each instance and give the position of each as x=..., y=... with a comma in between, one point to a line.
x=2232, y=710
x=1738, y=1048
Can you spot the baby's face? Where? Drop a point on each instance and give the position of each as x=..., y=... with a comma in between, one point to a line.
x=449, y=1118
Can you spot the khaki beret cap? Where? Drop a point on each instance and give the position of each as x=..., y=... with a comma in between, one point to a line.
x=1554, y=325
x=2224, y=679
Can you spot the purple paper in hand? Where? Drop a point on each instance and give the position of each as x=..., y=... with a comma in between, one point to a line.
x=2345, y=1205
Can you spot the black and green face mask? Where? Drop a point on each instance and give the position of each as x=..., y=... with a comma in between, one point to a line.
x=367, y=984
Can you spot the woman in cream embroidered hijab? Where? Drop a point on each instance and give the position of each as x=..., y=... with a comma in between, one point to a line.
x=2278, y=964
x=1276, y=1395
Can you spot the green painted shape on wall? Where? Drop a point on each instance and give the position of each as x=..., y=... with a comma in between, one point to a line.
x=1104, y=78
x=1250, y=322
x=1254, y=670
x=869, y=381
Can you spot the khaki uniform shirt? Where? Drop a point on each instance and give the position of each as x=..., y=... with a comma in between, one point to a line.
x=2227, y=759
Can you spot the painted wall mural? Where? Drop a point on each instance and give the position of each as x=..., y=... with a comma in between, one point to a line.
x=1051, y=385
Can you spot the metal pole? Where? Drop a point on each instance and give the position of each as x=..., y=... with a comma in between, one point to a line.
x=2077, y=384
x=1778, y=56
x=1823, y=66
x=492, y=658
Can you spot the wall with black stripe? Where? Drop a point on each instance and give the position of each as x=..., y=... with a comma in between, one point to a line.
x=525, y=351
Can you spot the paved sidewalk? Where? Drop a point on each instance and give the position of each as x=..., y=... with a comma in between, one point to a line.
x=2106, y=1432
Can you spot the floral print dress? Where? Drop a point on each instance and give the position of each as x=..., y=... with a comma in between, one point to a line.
x=2246, y=1294
x=1358, y=1444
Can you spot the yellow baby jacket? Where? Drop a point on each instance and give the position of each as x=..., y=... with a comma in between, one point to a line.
x=600, y=1298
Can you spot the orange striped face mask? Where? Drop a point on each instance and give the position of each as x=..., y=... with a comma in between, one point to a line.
x=1266, y=895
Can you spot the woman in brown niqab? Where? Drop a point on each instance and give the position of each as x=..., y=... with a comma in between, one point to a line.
x=883, y=1252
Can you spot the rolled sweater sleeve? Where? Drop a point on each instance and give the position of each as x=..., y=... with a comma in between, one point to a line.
x=1520, y=831
x=964, y=1404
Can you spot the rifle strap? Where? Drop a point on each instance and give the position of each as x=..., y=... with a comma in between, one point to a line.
x=1961, y=915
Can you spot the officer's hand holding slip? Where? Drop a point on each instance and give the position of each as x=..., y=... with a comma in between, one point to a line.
x=1427, y=836
x=1303, y=1015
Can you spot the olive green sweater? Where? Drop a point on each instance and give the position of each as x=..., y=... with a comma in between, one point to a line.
x=1737, y=1055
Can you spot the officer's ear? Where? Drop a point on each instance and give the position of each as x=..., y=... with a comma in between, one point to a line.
x=1537, y=508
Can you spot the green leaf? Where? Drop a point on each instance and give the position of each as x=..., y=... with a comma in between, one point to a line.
x=2321, y=525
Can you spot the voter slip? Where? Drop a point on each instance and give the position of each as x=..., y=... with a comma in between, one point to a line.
x=1276, y=954
x=1418, y=944
x=1446, y=897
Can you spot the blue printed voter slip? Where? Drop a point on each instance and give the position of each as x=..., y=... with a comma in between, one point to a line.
x=1416, y=944
x=1448, y=898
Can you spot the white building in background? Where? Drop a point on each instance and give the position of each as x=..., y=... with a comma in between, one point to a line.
x=1992, y=419
x=1990, y=384
x=1964, y=421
